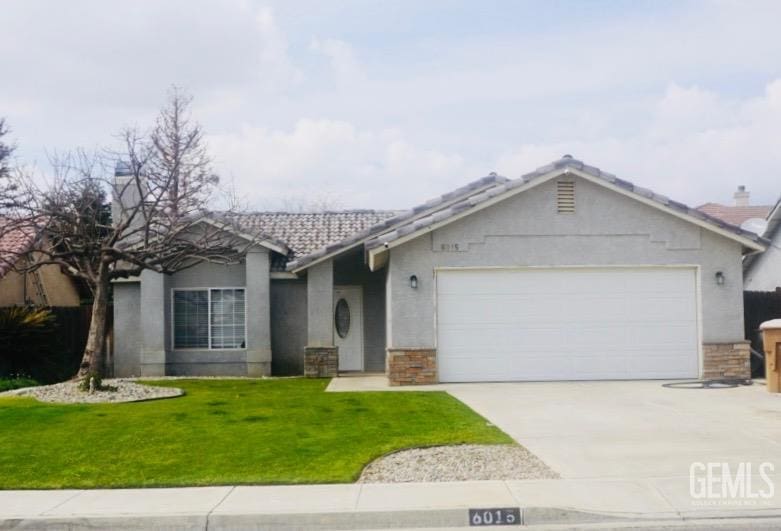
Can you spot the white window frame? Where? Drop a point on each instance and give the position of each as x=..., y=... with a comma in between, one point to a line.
x=208, y=290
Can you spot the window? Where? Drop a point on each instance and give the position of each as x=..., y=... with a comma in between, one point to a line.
x=209, y=318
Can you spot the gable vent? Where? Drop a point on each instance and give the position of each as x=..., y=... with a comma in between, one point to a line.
x=565, y=197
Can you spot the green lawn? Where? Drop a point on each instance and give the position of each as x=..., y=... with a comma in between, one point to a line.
x=225, y=432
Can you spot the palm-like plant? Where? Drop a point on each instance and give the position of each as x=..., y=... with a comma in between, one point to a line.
x=18, y=324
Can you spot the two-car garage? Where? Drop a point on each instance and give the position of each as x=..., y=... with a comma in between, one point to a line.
x=568, y=323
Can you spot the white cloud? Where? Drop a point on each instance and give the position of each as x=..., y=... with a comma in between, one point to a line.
x=333, y=98
x=275, y=66
x=362, y=168
x=697, y=148
x=341, y=57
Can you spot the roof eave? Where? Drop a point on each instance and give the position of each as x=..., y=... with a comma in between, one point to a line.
x=266, y=242
x=301, y=264
x=748, y=243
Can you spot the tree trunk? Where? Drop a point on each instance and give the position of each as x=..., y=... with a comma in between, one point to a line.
x=93, y=359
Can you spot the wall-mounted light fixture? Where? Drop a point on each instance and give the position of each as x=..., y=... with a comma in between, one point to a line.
x=719, y=278
x=413, y=282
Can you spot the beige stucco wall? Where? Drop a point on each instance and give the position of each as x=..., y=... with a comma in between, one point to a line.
x=57, y=287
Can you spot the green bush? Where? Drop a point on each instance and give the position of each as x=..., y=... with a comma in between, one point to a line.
x=84, y=383
x=38, y=343
x=19, y=323
x=16, y=382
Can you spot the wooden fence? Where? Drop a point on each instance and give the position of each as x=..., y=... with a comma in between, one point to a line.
x=56, y=354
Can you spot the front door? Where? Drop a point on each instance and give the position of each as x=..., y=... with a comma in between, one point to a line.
x=348, y=327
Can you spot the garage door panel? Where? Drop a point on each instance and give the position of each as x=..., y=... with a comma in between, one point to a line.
x=548, y=324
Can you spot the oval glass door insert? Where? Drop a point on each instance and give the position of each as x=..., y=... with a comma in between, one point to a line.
x=342, y=318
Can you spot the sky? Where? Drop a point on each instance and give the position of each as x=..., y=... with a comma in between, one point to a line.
x=384, y=104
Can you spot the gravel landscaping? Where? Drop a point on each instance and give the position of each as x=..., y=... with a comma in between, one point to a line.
x=121, y=391
x=457, y=463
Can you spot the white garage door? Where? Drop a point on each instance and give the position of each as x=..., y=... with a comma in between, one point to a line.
x=566, y=324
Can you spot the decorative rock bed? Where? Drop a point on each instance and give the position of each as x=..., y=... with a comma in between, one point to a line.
x=457, y=463
x=121, y=391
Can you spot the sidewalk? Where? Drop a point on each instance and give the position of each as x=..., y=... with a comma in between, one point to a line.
x=363, y=506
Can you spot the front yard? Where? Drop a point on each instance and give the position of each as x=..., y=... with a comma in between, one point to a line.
x=225, y=432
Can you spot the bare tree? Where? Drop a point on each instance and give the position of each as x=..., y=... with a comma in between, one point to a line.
x=9, y=196
x=314, y=203
x=8, y=187
x=5, y=152
x=162, y=186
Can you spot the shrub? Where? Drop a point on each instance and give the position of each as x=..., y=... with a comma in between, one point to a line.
x=19, y=323
x=84, y=383
x=39, y=342
x=23, y=331
x=16, y=382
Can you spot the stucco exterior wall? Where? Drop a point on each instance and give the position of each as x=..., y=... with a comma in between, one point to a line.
x=154, y=320
x=608, y=229
x=320, y=299
x=207, y=362
x=765, y=272
x=288, y=327
x=12, y=289
x=143, y=330
x=58, y=289
x=374, y=322
x=127, y=324
x=351, y=270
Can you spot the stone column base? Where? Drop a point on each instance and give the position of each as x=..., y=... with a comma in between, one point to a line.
x=321, y=362
x=411, y=366
x=726, y=360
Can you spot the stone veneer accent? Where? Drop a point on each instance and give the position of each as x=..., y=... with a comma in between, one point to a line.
x=411, y=366
x=321, y=362
x=726, y=360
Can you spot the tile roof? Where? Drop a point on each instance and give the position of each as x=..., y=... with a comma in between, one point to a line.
x=437, y=214
x=306, y=233
x=398, y=218
x=313, y=236
x=735, y=215
x=14, y=241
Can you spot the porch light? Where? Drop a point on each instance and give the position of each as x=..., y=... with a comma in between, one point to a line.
x=413, y=282
x=719, y=278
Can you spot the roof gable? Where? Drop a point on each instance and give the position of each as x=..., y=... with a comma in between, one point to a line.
x=380, y=243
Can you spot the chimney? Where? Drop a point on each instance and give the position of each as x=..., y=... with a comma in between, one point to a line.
x=124, y=195
x=741, y=196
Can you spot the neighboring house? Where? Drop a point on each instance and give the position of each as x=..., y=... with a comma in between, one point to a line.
x=46, y=286
x=567, y=273
x=763, y=272
x=738, y=213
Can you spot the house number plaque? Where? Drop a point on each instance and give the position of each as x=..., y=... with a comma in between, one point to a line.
x=497, y=516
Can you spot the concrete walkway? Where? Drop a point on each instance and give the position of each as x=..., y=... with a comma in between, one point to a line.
x=358, y=506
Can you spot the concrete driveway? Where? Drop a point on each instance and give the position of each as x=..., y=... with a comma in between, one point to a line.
x=628, y=447
x=636, y=429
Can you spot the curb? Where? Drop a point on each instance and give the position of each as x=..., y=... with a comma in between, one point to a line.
x=419, y=519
